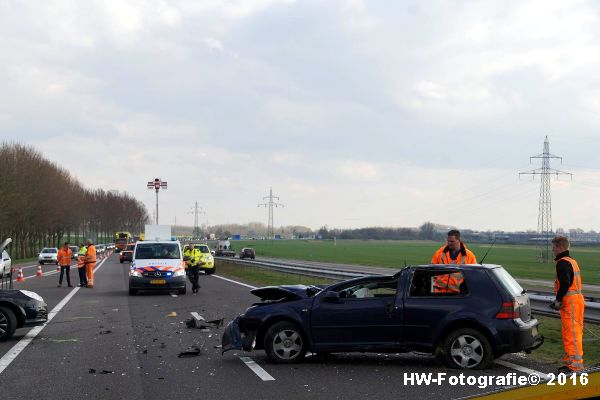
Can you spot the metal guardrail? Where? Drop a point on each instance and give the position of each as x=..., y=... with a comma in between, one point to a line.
x=539, y=300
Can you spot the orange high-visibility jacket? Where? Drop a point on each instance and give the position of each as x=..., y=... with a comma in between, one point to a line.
x=90, y=255
x=451, y=283
x=64, y=256
x=575, y=287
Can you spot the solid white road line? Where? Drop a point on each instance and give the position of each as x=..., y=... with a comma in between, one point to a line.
x=519, y=368
x=12, y=354
x=236, y=282
x=257, y=369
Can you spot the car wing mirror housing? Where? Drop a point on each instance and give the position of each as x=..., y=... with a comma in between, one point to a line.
x=332, y=297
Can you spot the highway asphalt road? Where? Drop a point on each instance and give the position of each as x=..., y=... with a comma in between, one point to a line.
x=105, y=343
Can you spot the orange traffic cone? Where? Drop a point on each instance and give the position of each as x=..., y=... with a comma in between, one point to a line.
x=38, y=273
x=20, y=276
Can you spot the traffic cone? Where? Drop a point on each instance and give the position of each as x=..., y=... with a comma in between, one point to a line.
x=20, y=276
x=38, y=273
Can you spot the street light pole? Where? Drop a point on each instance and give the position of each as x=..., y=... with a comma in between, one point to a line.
x=157, y=184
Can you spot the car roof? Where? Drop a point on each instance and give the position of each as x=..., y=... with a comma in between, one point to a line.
x=459, y=266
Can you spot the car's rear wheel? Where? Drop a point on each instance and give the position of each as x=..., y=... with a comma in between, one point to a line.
x=467, y=348
x=132, y=292
x=284, y=343
x=8, y=323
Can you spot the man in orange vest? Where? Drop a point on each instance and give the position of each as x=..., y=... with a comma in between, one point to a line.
x=90, y=263
x=455, y=252
x=569, y=300
x=64, y=260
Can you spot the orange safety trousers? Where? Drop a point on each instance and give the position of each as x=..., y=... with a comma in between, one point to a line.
x=571, y=315
x=89, y=272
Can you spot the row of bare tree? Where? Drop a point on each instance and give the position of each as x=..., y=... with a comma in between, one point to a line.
x=41, y=204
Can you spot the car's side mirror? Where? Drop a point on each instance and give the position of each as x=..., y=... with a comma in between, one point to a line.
x=332, y=297
x=186, y=258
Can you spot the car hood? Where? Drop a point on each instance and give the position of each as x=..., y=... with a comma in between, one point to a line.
x=285, y=292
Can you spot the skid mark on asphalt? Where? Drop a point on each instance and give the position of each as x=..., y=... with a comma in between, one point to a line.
x=257, y=369
x=12, y=354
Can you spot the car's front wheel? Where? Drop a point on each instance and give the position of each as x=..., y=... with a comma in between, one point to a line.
x=284, y=343
x=8, y=323
x=467, y=348
x=132, y=292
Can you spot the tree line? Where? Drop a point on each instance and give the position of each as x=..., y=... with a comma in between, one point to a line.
x=41, y=204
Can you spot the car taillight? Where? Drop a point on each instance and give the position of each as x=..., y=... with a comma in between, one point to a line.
x=509, y=310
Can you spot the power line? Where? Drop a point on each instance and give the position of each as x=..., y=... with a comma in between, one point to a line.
x=545, y=201
x=270, y=205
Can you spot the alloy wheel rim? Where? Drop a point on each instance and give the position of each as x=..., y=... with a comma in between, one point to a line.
x=3, y=324
x=287, y=344
x=467, y=351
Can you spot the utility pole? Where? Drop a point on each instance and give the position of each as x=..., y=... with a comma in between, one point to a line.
x=196, y=210
x=157, y=184
x=270, y=205
x=545, y=202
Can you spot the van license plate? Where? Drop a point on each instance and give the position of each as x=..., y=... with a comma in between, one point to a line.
x=158, y=282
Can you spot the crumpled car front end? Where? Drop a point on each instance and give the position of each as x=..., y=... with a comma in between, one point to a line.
x=239, y=334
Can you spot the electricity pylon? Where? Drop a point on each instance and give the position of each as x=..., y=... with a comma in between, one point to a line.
x=270, y=205
x=196, y=210
x=545, y=202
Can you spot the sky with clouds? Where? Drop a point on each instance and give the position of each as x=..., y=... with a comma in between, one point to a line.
x=357, y=113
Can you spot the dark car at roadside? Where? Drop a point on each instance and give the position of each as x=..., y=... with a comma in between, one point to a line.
x=127, y=253
x=248, y=252
x=20, y=309
x=489, y=316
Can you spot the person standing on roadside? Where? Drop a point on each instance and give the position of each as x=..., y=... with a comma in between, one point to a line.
x=570, y=302
x=454, y=252
x=90, y=263
x=81, y=265
x=193, y=267
x=64, y=257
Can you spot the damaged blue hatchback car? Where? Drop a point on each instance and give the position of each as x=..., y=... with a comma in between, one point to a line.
x=487, y=316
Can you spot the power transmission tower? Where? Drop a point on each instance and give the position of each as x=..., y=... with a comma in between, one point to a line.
x=196, y=210
x=271, y=204
x=545, y=202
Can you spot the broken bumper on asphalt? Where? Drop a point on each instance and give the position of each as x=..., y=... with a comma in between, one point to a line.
x=236, y=338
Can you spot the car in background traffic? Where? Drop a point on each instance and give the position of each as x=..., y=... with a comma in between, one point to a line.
x=48, y=255
x=127, y=253
x=20, y=309
x=487, y=316
x=100, y=249
x=5, y=265
x=74, y=250
x=157, y=265
x=248, y=252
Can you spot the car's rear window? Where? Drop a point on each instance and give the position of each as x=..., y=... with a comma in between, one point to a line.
x=148, y=251
x=507, y=281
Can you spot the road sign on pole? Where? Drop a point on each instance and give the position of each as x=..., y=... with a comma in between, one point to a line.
x=157, y=184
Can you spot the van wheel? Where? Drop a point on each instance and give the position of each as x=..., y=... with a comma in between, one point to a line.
x=467, y=348
x=182, y=291
x=8, y=323
x=132, y=292
x=284, y=343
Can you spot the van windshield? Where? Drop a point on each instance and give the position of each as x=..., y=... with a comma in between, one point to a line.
x=147, y=251
x=508, y=282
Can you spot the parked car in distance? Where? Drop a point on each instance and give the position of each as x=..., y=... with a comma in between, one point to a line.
x=75, y=250
x=127, y=253
x=20, y=309
x=48, y=255
x=248, y=252
x=100, y=248
x=5, y=264
x=490, y=315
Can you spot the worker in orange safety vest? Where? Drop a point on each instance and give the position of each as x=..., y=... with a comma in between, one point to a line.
x=64, y=256
x=90, y=263
x=569, y=300
x=454, y=252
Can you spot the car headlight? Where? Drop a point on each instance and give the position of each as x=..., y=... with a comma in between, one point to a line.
x=179, y=272
x=135, y=272
x=32, y=295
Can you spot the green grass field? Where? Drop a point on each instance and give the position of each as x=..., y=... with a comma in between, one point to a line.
x=519, y=260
